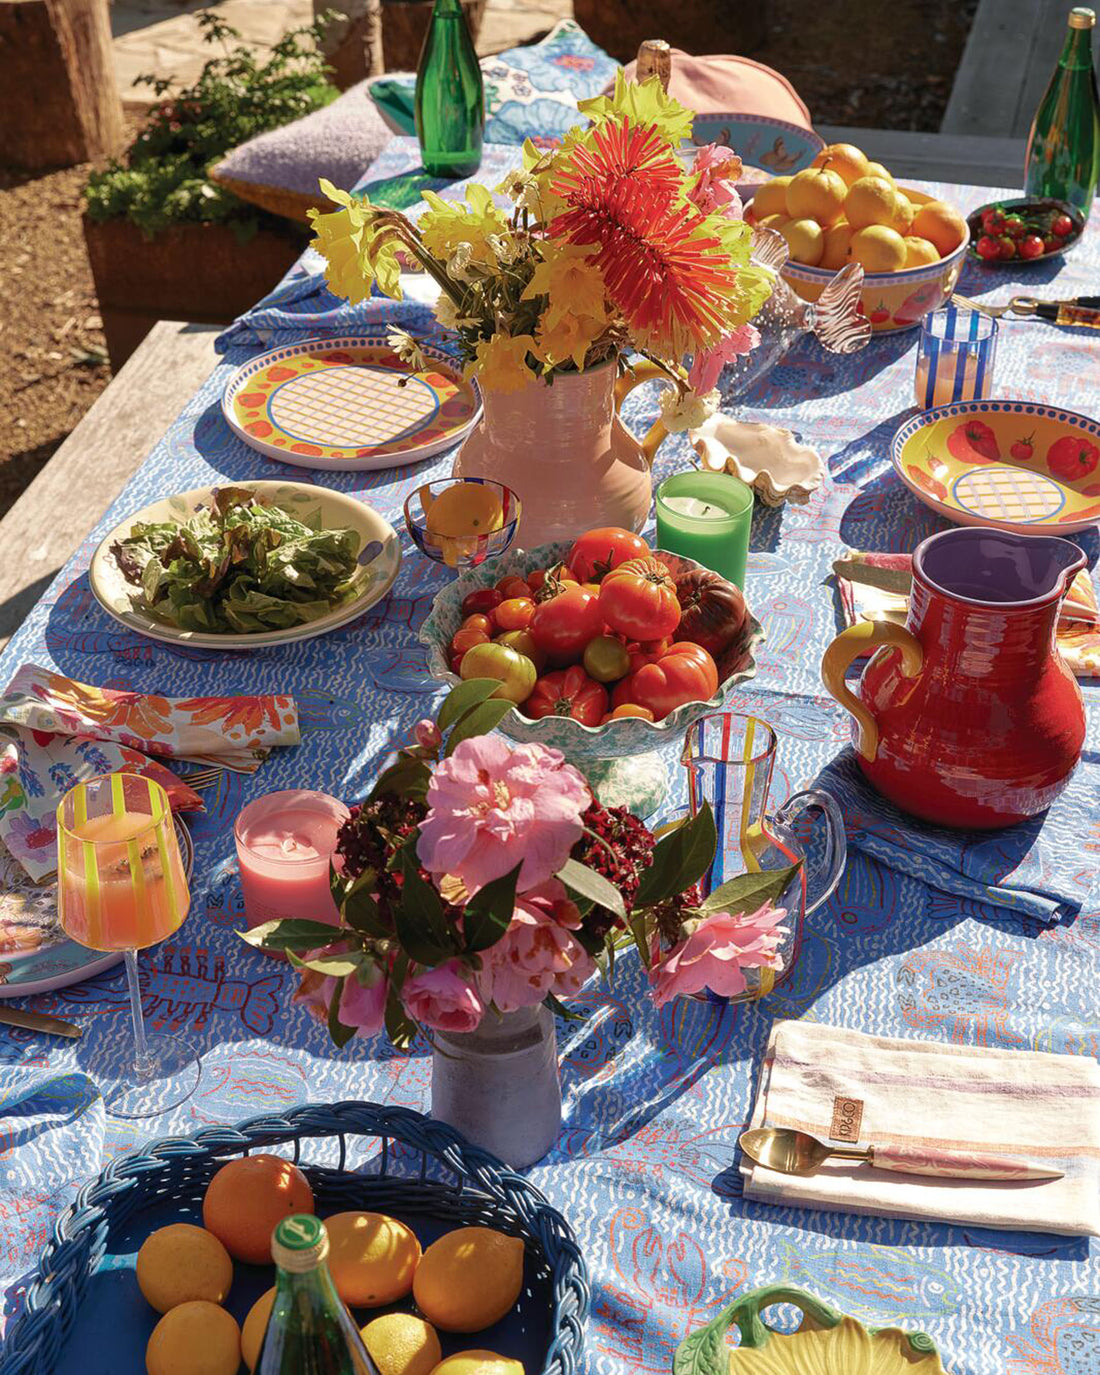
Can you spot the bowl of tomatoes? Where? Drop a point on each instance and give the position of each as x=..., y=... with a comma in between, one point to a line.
x=606, y=647
x=1026, y=229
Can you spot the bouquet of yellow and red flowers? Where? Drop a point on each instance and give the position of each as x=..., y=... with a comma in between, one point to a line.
x=613, y=243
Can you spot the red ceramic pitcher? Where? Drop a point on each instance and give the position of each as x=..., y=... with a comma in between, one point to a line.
x=968, y=716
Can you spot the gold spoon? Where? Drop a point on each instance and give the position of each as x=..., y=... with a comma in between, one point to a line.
x=795, y=1152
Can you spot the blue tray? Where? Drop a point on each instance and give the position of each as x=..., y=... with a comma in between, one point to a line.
x=85, y=1315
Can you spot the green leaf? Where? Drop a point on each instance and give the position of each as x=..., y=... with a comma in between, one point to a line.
x=287, y=935
x=407, y=776
x=340, y=1033
x=400, y=1027
x=747, y=892
x=463, y=698
x=558, y=1008
x=337, y=966
x=422, y=928
x=637, y=925
x=480, y=721
x=586, y=883
x=489, y=911
x=680, y=859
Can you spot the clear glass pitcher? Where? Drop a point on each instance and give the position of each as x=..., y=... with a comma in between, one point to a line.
x=730, y=759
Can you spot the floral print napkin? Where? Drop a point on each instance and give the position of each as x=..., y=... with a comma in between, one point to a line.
x=55, y=731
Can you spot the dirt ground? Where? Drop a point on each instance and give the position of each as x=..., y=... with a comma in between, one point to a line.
x=50, y=329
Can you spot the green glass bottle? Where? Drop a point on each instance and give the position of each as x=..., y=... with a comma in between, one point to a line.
x=450, y=95
x=1063, y=150
x=310, y=1332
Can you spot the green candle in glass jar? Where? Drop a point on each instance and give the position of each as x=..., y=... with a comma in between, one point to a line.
x=706, y=517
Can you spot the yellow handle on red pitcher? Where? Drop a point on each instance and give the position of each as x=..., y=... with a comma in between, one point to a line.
x=643, y=371
x=849, y=645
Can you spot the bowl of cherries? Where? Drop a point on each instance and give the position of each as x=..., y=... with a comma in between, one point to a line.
x=1027, y=229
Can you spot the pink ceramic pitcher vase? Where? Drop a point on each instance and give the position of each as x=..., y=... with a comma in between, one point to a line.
x=566, y=454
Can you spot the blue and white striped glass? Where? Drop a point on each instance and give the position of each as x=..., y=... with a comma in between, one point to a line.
x=955, y=357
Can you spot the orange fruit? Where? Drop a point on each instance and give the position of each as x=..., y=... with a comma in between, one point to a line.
x=919, y=252
x=904, y=213
x=195, y=1338
x=805, y=239
x=940, y=224
x=372, y=1258
x=469, y=1278
x=835, y=252
x=878, y=248
x=181, y=1262
x=771, y=198
x=876, y=169
x=255, y=1325
x=247, y=1197
x=845, y=159
x=870, y=200
x=773, y=222
x=817, y=193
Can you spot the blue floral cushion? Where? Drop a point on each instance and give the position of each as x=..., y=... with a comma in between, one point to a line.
x=530, y=92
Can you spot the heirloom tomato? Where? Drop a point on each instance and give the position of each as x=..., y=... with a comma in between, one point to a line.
x=712, y=610
x=569, y=692
x=563, y=625
x=599, y=551
x=515, y=672
x=522, y=642
x=606, y=659
x=638, y=599
x=645, y=653
x=685, y=673
x=481, y=601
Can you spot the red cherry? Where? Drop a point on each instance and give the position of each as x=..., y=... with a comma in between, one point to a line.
x=988, y=248
x=1032, y=247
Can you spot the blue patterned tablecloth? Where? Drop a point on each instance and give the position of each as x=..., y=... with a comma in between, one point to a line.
x=645, y=1169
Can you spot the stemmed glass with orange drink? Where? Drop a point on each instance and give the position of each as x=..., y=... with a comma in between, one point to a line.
x=121, y=886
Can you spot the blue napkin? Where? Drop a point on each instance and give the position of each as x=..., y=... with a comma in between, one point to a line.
x=1024, y=868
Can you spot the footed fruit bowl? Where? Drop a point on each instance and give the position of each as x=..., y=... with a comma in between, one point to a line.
x=618, y=758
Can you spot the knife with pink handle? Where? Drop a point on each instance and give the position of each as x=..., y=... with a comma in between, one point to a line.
x=795, y=1152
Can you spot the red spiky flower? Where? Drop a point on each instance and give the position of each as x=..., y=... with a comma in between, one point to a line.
x=665, y=269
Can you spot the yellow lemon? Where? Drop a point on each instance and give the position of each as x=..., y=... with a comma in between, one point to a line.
x=255, y=1325
x=919, y=251
x=845, y=159
x=773, y=222
x=197, y=1338
x=467, y=508
x=940, y=224
x=805, y=239
x=904, y=213
x=816, y=194
x=183, y=1262
x=402, y=1344
x=870, y=200
x=478, y=1363
x=469, y=1278
x=878, y=248
x=876, y=169
x=372, y=1258
x=771, y=198
x=835, y=251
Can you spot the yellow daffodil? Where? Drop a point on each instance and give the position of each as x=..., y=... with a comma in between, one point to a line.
x=357, y=253
x=569, y=336
x=501, y=362
x=572, y=284
x=450, y=223
x=648, y=103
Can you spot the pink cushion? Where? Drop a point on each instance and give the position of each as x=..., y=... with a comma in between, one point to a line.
x=719, y=84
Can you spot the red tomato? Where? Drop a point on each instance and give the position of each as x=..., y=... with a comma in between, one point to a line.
x=569, y=692
x=1052, y=243
x=599, y=551
x=1007, y=246
x=1031, y=246
x=553, y=581
x=564, y=624
x=638, y=599
x=515, y=613
x=513, y=586
x=988, y=248
x=646, y=653
x=993, y=221
x=1015, y=227
x=712, y=610
x=677, y=677
x=465, y=639
x=478, y=622
x=1062, y=226
x=688, y=649
x=484, y=599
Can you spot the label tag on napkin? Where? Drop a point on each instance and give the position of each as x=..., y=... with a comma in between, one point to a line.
x=847, y=1119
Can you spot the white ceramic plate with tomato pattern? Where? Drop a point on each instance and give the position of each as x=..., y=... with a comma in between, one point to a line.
x=1012, y=465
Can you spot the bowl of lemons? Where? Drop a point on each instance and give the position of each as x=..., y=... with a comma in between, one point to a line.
x=460, y=521
x=845, y=208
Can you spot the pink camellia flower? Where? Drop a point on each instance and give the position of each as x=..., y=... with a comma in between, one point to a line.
x=716, y=952
x=707, y=367
x=538, y=954
x=716, y=170
x=364, y=1008
x=492, y=804
x=443, y=999
x=315, y=992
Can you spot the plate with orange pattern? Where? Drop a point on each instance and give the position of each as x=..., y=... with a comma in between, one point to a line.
x=1013, y=465
x=349, y=404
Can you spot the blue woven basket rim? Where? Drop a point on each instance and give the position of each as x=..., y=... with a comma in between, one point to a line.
x=36, y=1337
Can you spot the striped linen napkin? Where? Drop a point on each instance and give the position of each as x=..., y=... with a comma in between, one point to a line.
x=1023, y=1104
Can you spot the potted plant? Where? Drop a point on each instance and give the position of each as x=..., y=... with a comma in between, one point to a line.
x=164, y=241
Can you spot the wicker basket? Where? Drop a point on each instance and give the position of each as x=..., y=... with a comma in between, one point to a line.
x=441, y=1178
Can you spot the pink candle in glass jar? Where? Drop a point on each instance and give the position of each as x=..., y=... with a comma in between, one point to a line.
x=285, y=841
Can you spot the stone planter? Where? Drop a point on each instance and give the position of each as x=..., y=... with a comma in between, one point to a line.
x=404, y=24
x=499, y=1085
x=195, y=272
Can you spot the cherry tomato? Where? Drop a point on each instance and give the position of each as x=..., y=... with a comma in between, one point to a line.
x=1061, y=225
x=599, y=551
x=1052, y=243
x=993, y=221
x=465, y=639
x=484, y=599
x=606, y=659
x=513, y=586
x=522, y=641
x=569, y=692
x=479, y=622
x=1007, y=246
x=988, y=248
x=1015, y=227
x=455, y=662
x=515, y=613
x=515, y=671
x=1032, y=246
x=677, y=677
x=638, y=598
x=564, y=624
x=626, y=710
